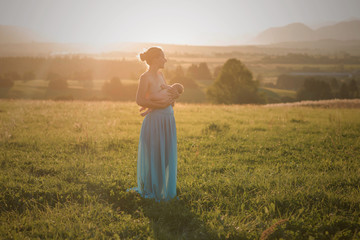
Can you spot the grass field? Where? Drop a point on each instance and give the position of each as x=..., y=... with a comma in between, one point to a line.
x=244, y=172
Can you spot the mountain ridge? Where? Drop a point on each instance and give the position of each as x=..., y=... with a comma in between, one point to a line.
x=299, y=32
x=18, y=41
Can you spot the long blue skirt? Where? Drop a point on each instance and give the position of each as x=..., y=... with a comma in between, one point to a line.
x=157, y=156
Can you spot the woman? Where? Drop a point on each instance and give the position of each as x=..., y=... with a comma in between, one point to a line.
x=157, y=151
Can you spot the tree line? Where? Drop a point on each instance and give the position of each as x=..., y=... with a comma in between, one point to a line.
x=295, y=82
x=298, y=58
x=315, y=89
x=115, y=89
x=234, y=83
x=68, y=66
x=112, y=88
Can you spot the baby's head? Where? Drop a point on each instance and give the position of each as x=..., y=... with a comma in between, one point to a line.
x=179, y=88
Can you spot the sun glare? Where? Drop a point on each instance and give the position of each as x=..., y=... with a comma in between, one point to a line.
x=177, y=22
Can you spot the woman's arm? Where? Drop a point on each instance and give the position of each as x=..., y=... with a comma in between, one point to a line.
x=141, y=93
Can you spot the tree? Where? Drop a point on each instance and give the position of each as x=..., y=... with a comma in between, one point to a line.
x=168, y=73
x=83, y=75
x=28, y=76
x=12, y=76
x=192, y=71
x=260, y=79
x=56, y=81
x=234, y=85
x=353, y=89
x=185, y=81
x=85, y=78
x=179, y=77
x=179, y=71
x=113, y=88
x=54, y=76
x=200, y=71
x=314, y=89
x=217, y=71
x=334, y=84
x=6, y=82
x=203, y=71
x=5, y=85
x=344, y=91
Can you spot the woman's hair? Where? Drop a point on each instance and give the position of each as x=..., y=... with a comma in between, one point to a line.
x=149, y=54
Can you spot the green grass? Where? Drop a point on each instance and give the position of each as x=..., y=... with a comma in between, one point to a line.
x=282, y=92
x=65, y=168
x=274, y=95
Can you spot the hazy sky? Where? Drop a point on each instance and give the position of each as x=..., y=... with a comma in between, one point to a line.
x=200, y=22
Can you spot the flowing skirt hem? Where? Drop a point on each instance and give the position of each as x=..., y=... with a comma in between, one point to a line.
x=150, y=195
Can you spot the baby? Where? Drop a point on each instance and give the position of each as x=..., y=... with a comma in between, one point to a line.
x=161, y=95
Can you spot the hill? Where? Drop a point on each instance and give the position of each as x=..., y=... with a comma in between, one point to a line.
x=296, y=37
x=299, y=32
x=289, y=33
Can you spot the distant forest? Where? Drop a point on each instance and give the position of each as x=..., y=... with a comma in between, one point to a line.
x=69, y=67
x=81, y=77
x=297, y=58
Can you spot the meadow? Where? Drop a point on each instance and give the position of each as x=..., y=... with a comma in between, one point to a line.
x=244, y=172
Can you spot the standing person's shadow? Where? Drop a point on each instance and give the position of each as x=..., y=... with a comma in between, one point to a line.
x=168, y=220
x=175, y=220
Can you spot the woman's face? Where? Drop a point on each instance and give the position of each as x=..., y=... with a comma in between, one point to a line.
x=160, y=60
